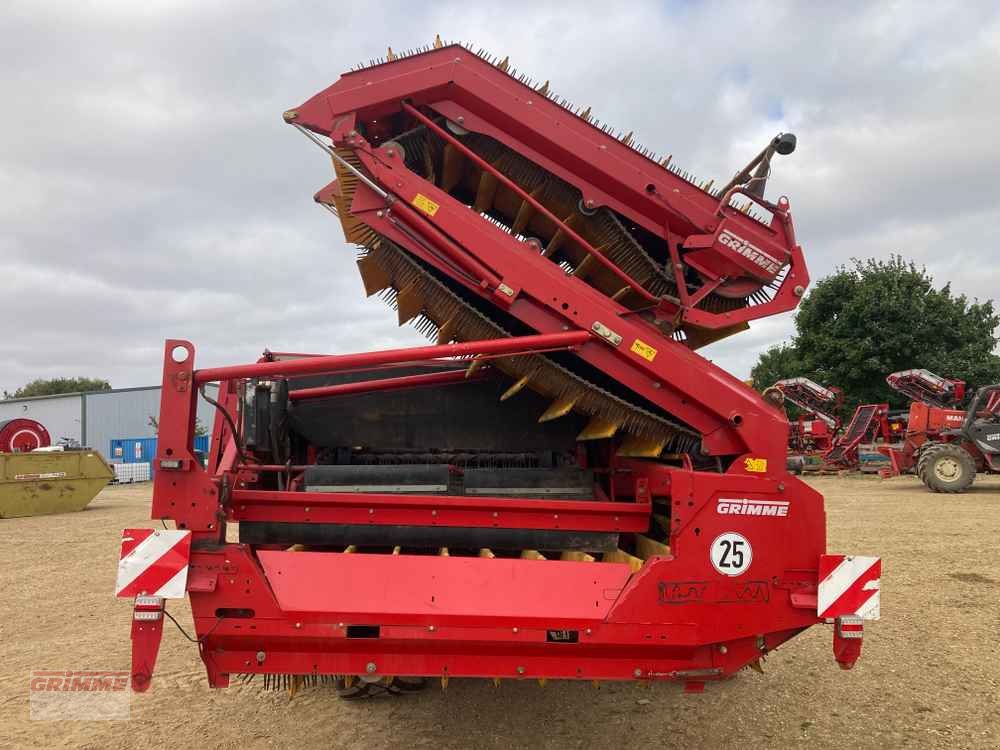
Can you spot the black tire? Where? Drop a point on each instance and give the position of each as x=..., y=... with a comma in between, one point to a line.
x=922, y=459
x=946, y=467
x=353, y=691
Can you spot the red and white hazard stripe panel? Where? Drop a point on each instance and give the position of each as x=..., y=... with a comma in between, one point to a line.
x=849, y=585
x=153, y=563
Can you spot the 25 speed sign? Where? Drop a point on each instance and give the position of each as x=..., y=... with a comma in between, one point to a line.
x=731, y=553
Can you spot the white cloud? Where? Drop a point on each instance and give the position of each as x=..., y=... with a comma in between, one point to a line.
x=151, y=189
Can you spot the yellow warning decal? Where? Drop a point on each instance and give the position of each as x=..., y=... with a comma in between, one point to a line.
x=756, y=465
x=425, y=204
x=644, y=350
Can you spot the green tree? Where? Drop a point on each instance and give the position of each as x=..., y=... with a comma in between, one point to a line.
x=875, y=317
x=55, y=386
x=777, y=363
x=199, y=427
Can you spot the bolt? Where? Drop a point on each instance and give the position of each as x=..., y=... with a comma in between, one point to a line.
x=307, y=509
x=781, y=486
x=434, y=512
x=799, y=290
x=380, y=214
x=390, y=152
x=637, y=672
x=587, y=631
x=520, y=670
x=371, y=511
x=431, y=628
x=495, y=514
x=340, y=624
x=515, y=630
x=723, y=649
x=371, y=667
x=590, y=203
x=260, y=657
x=298, y=624
x=657, y=385
x=460, y=119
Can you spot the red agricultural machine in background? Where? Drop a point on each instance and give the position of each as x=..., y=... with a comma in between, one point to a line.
x=559, y=486
x=815, y=428
x=871, y=423
x=945, y=445
x=927, y=388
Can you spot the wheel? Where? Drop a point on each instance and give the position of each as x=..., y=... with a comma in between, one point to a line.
x=947, y=467
x=922, y=460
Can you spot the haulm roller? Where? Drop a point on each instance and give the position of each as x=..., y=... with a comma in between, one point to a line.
x=558, y=485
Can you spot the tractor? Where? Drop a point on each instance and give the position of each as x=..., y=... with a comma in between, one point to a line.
x=947, y=447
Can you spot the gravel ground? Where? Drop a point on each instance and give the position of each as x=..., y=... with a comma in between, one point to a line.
x=928, y=676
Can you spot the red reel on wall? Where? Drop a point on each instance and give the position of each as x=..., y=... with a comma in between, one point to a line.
x=22, y=435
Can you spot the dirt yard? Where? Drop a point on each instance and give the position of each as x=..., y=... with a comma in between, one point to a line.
x=929, y=675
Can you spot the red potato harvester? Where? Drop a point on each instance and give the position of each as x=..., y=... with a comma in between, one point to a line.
x=559, y=486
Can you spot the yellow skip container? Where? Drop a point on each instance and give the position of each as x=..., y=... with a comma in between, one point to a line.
x=43, y=482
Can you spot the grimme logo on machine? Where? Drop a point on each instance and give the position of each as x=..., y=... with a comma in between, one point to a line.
x=745, y=507
x=769, y=263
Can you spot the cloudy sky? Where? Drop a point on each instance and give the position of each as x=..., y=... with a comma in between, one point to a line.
x=150, y=188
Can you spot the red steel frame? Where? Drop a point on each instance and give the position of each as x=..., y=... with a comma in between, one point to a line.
x=674, y=619
x=924, y=423
x=677, y=617
x=457, y=84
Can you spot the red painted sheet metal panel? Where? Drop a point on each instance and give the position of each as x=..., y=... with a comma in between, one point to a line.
x=440, y=588
x=437, y=510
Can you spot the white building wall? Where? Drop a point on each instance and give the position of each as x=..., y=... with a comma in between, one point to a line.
x=120, y=414
x=115, y=415
x=61, y=415
x=95, y=419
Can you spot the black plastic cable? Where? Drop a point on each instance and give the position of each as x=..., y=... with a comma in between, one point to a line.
x=184, y=632
x=229, y=421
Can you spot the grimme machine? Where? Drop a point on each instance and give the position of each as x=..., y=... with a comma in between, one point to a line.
x=559, y=486
x=817, y=425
